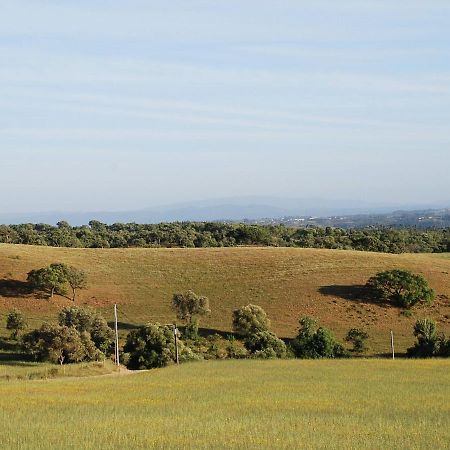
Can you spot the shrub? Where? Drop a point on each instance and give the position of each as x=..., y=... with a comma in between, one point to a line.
x=249, y=320
x=16, y=322
x=191, y=329
x=153, y=345
x=428, y=341
x=358, y=338
x=315, y=342
x=102, y=335
x=401, y=287
x=56, y=343
x=77, y=317
x=266, y=344
x=235, y=349
x=88, y=320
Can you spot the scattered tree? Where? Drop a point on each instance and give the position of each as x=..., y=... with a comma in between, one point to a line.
x=16, y=322
x=403, y=288
x=189, y=307
x=358, y=338
x=76, y=278
x=51, y=279
x=250, y=319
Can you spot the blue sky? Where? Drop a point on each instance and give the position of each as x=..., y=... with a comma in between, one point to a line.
x=115, y=105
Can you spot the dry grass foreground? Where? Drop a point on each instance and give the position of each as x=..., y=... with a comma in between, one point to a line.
x=287, y=283
x=360, y=404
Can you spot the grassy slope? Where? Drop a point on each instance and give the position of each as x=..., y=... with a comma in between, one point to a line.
x=285, y=282
x=28, y=370
x=362, y=404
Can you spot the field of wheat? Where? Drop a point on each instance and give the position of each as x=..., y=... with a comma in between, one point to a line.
x=363, y=404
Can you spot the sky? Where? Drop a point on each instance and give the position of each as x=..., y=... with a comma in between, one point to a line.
x=121, y=105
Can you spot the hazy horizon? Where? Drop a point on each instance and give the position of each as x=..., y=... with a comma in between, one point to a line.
x=118, y=106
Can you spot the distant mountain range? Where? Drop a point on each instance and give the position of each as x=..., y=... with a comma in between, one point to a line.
x=256, y=209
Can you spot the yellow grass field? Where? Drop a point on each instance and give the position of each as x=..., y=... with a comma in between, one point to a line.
x=288, y=283
x=328, y=404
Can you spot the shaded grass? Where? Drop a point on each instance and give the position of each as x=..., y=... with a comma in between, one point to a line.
x=287, y=282
x=362, y=404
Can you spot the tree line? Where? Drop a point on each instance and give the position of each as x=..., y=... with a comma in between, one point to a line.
x=221, y=234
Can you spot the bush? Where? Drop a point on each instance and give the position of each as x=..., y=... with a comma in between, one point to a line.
x=16, y=322
x=56, y=343
x=102, y=335
x=265, y=344
x=358, y=338
x=428, y=343
x=316, y=342
x=191, y=329
x=235, y=349
x=401, y=287
x=249, y=320
x=153, y=345
x=88, y=320
x=77, y=317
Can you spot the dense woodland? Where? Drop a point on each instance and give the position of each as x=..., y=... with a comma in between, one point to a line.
x=212, y=234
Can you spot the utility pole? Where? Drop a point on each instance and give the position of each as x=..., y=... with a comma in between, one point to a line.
x=117, y=337
x=175, y=333
x=392, y=344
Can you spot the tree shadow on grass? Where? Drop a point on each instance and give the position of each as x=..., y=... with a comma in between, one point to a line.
x=355, y=293
x=11, y=353
x=204, y=332
x=15, y=288
x=123, y=325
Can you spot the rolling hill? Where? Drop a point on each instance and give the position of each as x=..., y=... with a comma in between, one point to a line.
x=288, y=283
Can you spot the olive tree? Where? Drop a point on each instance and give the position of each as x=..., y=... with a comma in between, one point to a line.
x=403, y=288
x=189, y=306
x=51, y=279
x=76, y=278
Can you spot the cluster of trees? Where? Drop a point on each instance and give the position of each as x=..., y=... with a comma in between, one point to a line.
x=215, y=234
x=153, y=345
x=81, y=334
x=55, y=278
